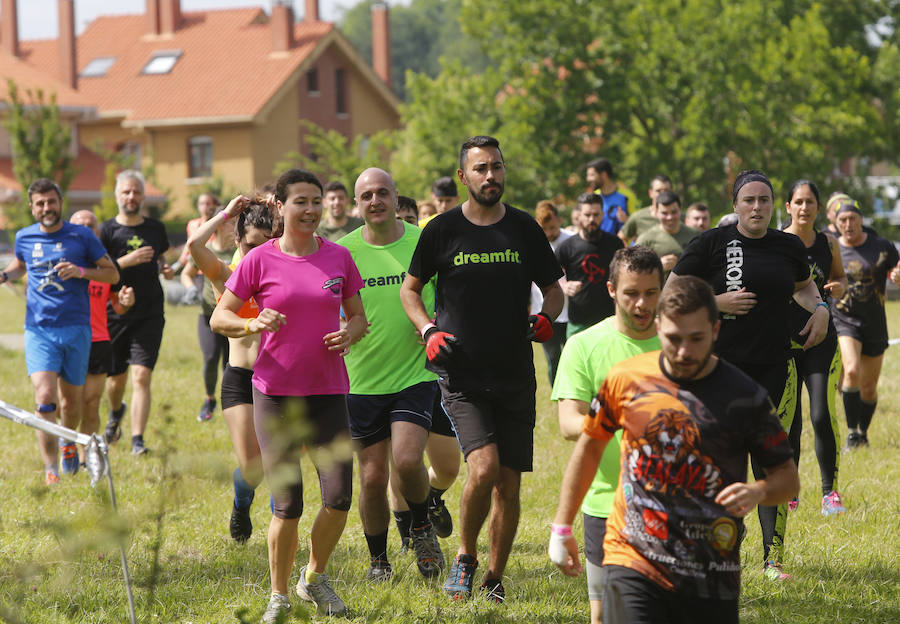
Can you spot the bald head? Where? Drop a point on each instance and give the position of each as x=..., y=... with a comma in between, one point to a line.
x=86, y=218
x=376, y=196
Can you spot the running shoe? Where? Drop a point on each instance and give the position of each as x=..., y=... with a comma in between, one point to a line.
x=113, y=432
x=440, y=517
x=278, y=609
x=831, y=504
x=380, y=571
x=854, y=440
x=772, y=571
x=240, y=525
x=793, y=504
x=51, y=476
x=493, y=590
x=69, y=454
x=462, y=576
x=864, y=439
x=429, y=556
x=137, y=447
x=405, y=545
x=206, y=410
x=321, y=594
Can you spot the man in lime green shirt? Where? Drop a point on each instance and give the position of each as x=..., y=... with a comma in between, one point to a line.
x=635, y=282
x=391, y=393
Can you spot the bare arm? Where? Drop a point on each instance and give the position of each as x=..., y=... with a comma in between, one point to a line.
x=553, y=300
x=571, y=417
x=411, y=297
x=580, y=472
x=225, y=321
x=781, y=484
x=188, y=274
x=105, y=271
x=14, y=270
x=807, y=295
x=355, y=328
x=732, y=302
x=837, y=279
x=214, y=269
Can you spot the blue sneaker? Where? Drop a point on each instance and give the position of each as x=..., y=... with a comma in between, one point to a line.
x=69, y=453
x=462, y=577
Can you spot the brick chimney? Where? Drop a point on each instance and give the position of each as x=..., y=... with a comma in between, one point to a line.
x=312, y=11
x=381, y=42
x=163, y=16
x=9, y=27
x=282, y=24
x=68, y=67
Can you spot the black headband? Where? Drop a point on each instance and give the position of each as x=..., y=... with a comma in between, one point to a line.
x=847, y=204
x=753, y=176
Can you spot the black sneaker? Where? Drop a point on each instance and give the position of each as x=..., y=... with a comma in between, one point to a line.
x=380, y=571
x=429, y=557
x=405, y=545
x=113, y=432
x=864, y=439
x=493, y=590
x=207, y=410
x=240, y=525
x=440, y=517
x=854, y=441
x=137, y=447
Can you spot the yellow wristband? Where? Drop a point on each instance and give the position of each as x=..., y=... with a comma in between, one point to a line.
x=247, y=326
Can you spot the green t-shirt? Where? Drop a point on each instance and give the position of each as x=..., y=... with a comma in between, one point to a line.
x=664, y=243
x=332, y=233
x=389, y=358
x=638, y=223
x=586, y=359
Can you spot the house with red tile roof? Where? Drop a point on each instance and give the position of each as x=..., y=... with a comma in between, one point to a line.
x=205, y=93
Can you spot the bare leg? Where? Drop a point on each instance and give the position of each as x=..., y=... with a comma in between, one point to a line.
x=326, y=531
x=444, y=457
x=407, y=451
x=504, y=520
x=239, y=419
x=282, y=551
x=70, y=400
x=45, y=393
x=373, y=482
x=115, y=389
x=869, y=372
x=484, y=470
x=140, y=398
x=90, y=414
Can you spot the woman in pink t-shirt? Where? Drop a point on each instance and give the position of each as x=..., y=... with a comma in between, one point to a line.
x=300, y=282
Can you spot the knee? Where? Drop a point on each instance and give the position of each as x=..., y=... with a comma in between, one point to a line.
x=507, y=486
x=446, y=472
x=851, y=375
x=374, y=478
x=868, y=391
x=485, y=471
x=408, y=464
x=140, y=376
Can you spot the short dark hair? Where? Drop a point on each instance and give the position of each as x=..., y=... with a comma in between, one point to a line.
x=334, y=185
x=259, y=215
x=745, y=177
x=661, y=177
x=589, y=198
x=812, y=186
x=637, y=259
x=601, y=165
x=668, y=197
x=481, y=140
x=43, y=185
x=684, y=294
x=407, y=203
x=444, y=187
x=698, y=206
x=212, y=196
x=294, y=176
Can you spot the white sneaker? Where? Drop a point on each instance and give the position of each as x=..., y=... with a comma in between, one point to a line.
x=278, y=609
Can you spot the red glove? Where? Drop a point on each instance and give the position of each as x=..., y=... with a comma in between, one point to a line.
x=541, y=327
x=438, y=345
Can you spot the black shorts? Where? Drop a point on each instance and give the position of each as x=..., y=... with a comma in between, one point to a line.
x=505, y=418
x=594, y=532
x=371, y=415
x=135, y=342
x=629, y=597
x=872, y=333
x=99, y=360
x=440, y=422
x=237, y=387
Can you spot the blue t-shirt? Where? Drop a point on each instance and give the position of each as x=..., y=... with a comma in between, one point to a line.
x=52, y=301
x=611, y=205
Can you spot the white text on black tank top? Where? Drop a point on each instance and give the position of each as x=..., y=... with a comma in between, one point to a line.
x=734, y=268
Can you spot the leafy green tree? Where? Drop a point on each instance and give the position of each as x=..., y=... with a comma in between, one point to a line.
x=41, y=146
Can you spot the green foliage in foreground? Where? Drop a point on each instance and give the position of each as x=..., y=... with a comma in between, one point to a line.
x=59, y=562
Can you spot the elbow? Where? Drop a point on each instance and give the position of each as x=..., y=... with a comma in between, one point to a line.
x=215, y=322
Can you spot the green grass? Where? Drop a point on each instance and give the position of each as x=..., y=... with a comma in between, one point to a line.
x=59, y=562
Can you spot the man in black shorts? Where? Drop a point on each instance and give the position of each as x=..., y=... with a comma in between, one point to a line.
x=137, y=243
x=485, y=254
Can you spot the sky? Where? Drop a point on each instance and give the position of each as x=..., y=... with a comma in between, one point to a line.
x=37, y=18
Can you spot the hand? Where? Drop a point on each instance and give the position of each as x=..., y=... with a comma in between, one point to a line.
x=563, y=551
x=836, y=288
x=67, y=270
x=571, y=288
x=541, y=327
x=669, y=261
x=167, y=271
x=895, y=274
x=191, y=296
x=237, y=205
x=439, y=346
x=267, y=320
x=126, y=297
x=621, y=215
x=816, y=327
x=736, y=301
x=339, y=340
x=739, y=498
x=136, y=257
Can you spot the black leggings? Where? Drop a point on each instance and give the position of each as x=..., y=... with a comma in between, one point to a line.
x=820, y=369
x=213, y=346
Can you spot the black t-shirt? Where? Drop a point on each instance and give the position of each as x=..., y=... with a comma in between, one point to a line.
x=484, y=276
x=819, y=259
x=588, y=262
x=144, y=278
x=867, y=267
x=770, y=267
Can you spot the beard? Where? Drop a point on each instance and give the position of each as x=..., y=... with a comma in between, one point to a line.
x=688, y=371
x=488, y=195
x=130, y=209
x=49, y=220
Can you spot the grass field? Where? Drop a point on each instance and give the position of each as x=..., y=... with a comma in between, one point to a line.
x=59, y=562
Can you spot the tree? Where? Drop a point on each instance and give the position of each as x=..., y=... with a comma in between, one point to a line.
x=41, y=146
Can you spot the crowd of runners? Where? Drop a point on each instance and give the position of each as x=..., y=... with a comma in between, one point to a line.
x=360, y=325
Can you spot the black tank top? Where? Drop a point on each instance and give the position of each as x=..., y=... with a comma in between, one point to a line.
x=820, y=258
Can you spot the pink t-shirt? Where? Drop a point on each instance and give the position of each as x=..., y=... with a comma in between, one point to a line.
x=308, y=290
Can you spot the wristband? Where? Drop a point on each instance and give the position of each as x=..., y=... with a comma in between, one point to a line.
x=5, y=276
x=224, y=214
x=247, y=326
x=821, y=304
x=426, y=328
x=82, y=271
x=561, y=529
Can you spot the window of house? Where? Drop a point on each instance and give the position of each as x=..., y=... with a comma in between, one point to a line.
x=200, y=157
x=340, y=92
x=131, y=153
x=162, y=62
x=97, y=67
x=312, y=81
